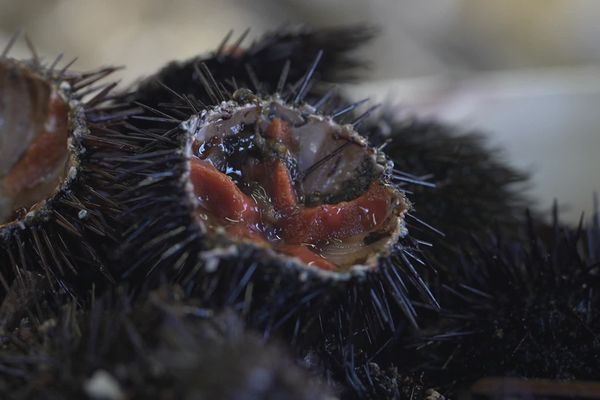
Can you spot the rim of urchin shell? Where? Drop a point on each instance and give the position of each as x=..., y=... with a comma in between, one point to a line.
x=308, y=113
x=55, y=238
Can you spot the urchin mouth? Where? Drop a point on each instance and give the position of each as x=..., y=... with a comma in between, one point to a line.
x=33, y=140
x=285, y=179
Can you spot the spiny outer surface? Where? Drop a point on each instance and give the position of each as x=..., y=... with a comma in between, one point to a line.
x=525, y=309
x=64, y=240
x=164, y=238
x=259, y=66
x=365, y=311
x=476, y=191
x=162, y=346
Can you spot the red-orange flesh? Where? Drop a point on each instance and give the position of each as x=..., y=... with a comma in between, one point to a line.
x=44, y=154
x=299, y=228
x=33, y=177
x=221, y=195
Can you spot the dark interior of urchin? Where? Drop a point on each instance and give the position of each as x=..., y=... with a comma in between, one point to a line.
x=33, y=139
x=296, y=183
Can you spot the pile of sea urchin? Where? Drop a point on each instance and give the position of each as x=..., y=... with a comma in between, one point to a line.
x=233, y=228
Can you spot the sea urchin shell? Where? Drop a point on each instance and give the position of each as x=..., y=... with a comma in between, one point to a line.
x=294, y=183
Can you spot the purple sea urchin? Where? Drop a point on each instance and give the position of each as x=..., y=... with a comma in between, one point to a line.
x=49, y=206
x=196, y=181
x=269, y=171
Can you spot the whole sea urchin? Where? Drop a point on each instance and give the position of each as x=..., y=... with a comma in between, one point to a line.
x=270, y=205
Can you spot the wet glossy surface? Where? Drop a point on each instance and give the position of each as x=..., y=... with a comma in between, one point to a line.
x=249, y=184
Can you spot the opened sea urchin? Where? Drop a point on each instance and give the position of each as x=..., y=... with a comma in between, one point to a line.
x=292, y=183
x=267, y=205
x=50, y=205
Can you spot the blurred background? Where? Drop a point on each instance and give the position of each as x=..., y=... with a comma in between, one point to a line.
x=527, y=73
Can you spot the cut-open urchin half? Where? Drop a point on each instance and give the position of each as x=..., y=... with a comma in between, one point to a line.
x=49, y=206
x=265, y=203
x=293, y=183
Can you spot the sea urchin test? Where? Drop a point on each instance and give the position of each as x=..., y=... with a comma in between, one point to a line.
x=33, y=139
x=288, y=180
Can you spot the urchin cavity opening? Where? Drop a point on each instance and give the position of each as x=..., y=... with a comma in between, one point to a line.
x=285, y=179
x=33, y=139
